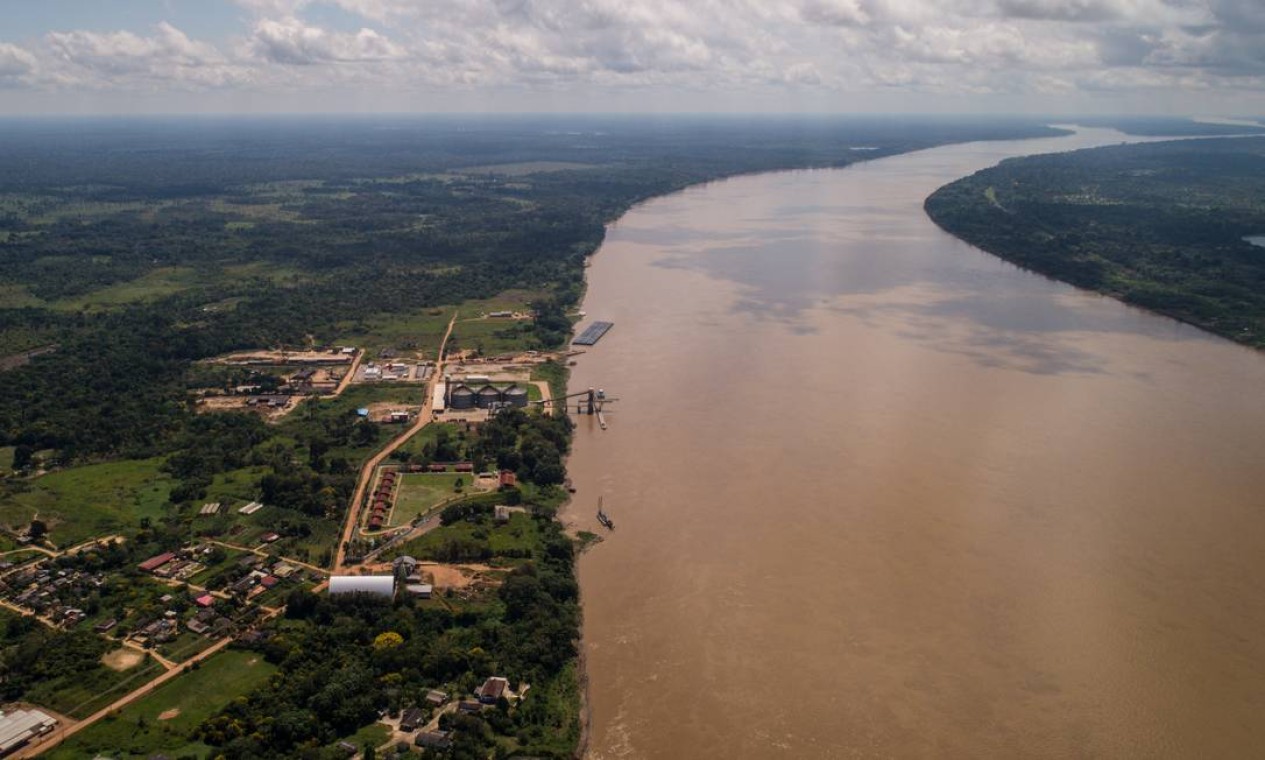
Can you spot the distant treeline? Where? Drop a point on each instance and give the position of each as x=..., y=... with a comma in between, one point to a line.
x=1158, y=225
x=276, y=230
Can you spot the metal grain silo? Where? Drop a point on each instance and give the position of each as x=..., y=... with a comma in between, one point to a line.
x=516, y=395
x=488, y=397
x=462, y=398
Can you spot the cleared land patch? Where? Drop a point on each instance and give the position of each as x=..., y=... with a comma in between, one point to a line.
x=421, y=492
x=122, y=658
x=91, y=501
x=162, y=721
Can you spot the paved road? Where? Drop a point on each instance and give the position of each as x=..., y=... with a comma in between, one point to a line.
x=366, y=472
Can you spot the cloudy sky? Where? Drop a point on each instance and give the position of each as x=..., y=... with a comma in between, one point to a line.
x=1202, y=57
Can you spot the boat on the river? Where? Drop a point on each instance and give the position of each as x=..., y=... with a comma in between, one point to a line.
x=603, y=518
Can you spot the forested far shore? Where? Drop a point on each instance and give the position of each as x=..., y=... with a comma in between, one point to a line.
x=1166, y=226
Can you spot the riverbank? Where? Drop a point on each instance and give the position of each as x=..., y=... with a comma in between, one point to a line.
x=1161, y=226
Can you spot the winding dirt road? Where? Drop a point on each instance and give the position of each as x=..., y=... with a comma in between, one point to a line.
x=366, y=472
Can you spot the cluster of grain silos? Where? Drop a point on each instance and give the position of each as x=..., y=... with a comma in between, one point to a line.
x=486, y=396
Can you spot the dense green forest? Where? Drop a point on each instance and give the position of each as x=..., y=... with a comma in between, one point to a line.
x=1162, y=225
x=138, y=247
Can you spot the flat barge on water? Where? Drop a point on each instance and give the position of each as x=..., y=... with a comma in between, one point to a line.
x=592, y=334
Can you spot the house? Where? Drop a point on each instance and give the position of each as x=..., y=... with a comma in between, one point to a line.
x=411, y=718
x=436, y=698
x=197, y=626
x=434, y=739
x=284, y=570
x=153, y=563
x=269, y=538
x=105, y=626
x=206, y=600
x=508, y=479
x=469, y=706
x=348, y=748
x=269, y=581
x=492, y=689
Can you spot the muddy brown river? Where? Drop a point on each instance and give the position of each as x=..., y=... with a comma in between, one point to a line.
x=879, y=494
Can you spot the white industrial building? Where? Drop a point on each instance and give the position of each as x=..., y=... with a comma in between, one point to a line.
x=378, y=585
x=21, y=726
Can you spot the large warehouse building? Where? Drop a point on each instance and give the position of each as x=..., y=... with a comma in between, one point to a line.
x=378, y=585
x=21, y=726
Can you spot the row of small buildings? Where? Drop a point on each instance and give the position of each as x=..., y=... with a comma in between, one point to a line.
x=382, y=501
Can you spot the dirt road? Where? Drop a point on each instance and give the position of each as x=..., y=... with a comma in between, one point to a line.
x=57, y=737
x=351, y=373
x=366, y=472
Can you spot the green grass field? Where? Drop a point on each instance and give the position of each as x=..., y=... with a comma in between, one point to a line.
x=138, y=732
x=421, y=492
x=6, y=459
x=373, y=735
x=83, y=502
x=518, y=535
x=430, y=433
x=86, y=693
x=16, y=296
x=423, y=330
x=152, y=286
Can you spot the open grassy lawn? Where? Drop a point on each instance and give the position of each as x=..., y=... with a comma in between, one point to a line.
x=164, y=720
x=6, y=459
x=373, y=735
x=515, y=537
x=86, y=693
x=494, y=336
x=404, y=331
x=151, y=286
x=420, y=492
x=95, y=500
x=555, y=374
x=17, y=296
x=233, y=489
x=430, y=434
x=423, y=330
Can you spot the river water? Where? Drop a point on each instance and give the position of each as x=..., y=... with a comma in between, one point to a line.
x=879, y=494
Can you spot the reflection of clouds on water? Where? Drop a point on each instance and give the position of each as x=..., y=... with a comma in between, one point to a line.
x=1040, y=333
x=857, y=242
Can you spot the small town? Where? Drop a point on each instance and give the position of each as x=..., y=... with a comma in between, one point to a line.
x=217, y=589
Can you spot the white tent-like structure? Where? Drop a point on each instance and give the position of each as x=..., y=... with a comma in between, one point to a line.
x=378, y=585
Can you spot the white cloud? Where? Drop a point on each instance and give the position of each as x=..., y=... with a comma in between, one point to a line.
x=15, y=62
x=1054, y=48
x=291, y=41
